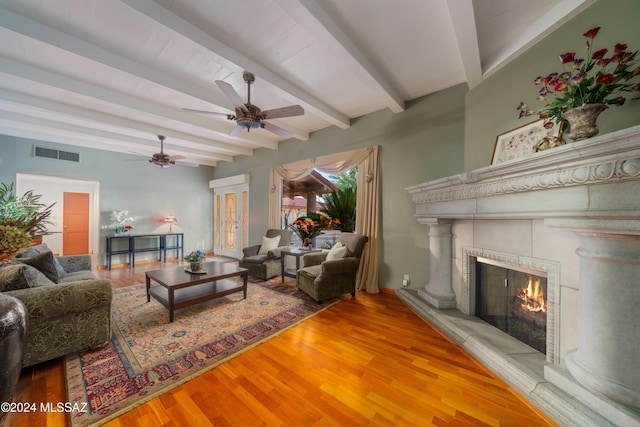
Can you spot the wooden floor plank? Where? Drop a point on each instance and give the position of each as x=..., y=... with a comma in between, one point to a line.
x=365, y=361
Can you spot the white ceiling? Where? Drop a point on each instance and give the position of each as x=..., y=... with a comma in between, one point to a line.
x=112, y=74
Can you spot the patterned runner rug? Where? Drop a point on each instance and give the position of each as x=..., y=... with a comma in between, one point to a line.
x=148, y=355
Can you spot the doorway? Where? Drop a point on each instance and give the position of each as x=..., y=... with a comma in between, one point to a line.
x=75, y=220
x=52, y=189
x=231, y=207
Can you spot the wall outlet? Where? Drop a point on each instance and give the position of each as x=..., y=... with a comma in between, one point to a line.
x=405, y=281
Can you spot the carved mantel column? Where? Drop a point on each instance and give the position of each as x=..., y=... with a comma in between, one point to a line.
x=439, y=291
x=608, y=354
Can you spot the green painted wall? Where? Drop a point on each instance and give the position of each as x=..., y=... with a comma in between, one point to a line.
x=491, y=106
x=147, y=191
x=420, y=144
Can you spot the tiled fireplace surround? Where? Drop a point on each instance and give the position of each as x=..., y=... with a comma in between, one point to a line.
x=574, y=213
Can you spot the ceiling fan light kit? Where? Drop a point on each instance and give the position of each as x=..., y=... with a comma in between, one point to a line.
x=249, y=116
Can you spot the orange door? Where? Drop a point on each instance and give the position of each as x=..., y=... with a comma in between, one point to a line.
x=75, y=220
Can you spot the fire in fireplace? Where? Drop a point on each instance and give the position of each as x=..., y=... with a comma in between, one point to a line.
x=513, y=301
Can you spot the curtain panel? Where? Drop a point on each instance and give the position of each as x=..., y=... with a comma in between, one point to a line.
x=367, y=212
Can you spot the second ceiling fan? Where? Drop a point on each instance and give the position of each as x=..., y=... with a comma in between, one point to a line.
x=249, y=116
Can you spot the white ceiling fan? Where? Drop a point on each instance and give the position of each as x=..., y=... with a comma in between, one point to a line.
x=249, y=116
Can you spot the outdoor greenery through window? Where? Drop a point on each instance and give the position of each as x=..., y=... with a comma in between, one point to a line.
x=319, y=207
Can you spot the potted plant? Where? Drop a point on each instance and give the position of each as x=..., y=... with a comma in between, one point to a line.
x=585, y=87
x=22, y=219
x=195, y=259
x=121, y=220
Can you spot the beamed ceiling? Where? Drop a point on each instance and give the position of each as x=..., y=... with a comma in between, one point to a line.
x=113, y=74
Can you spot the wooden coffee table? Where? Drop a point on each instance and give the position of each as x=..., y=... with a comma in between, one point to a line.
x=179, y=288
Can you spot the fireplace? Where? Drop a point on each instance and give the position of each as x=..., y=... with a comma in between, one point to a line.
x=572, y=217
x=513, y=301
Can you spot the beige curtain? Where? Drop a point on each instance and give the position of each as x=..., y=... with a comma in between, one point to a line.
x=367, y=215
x=368, y=219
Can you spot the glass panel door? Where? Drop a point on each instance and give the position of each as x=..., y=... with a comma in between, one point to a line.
x=230, y=221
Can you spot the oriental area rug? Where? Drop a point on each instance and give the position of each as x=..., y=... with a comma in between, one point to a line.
x=148, y=356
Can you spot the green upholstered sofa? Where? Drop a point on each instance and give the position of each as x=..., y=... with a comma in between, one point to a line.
x=322, y=279
x=64, y=317
x=266, y=265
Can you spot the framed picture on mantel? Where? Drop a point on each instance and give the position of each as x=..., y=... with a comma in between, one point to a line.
x=521, y=141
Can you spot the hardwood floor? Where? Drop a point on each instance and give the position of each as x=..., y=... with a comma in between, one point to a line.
x=364, y=361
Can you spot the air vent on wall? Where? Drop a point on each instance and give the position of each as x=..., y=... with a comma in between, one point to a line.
x=67, y=155
x=55, y=154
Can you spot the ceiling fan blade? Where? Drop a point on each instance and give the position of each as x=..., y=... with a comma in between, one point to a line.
x=237, y=131
x=176, y=157
x=275, y=129
x=191, y=165
x=231, y=93
x=204, y=112
x=290, y=111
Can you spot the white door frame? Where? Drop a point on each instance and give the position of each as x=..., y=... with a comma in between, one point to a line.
x=52, y=189
x=238, y=185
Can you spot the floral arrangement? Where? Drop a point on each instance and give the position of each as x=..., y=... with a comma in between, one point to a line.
x=195, y=256
x=306, y=229
x=600, y=79
x=121, y=219
x=332, y=223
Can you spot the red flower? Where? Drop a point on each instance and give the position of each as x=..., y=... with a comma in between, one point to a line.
x=548, y=125
x=618, y=57
x=559, y=87
x=605, y=79
x=604, y=62
x=599, y=54
x=592, y=33
x=567, y=57
x=550, y=79
x=620, y=47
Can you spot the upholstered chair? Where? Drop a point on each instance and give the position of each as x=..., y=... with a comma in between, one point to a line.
x=332, y=274
x=263, y=260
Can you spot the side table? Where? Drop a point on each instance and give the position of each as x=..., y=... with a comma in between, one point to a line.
x=297, y=253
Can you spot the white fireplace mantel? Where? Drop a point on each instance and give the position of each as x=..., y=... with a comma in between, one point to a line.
x=576, y=207
x=540, y=185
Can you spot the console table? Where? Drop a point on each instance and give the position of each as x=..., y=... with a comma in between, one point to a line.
x=160, y=243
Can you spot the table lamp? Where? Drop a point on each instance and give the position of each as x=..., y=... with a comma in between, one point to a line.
x=170, y=220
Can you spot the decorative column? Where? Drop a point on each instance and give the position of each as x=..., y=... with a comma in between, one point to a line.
x=439, y=291
x=608, y=354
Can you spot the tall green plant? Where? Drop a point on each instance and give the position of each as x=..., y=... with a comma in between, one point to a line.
x=342, y=206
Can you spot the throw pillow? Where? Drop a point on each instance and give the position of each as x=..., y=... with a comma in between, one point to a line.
x=338, y=251
x=12, y=278
x=33, y=251
x=45, y=262
x=269, y=244
x=35, y=278
x=40, y=249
